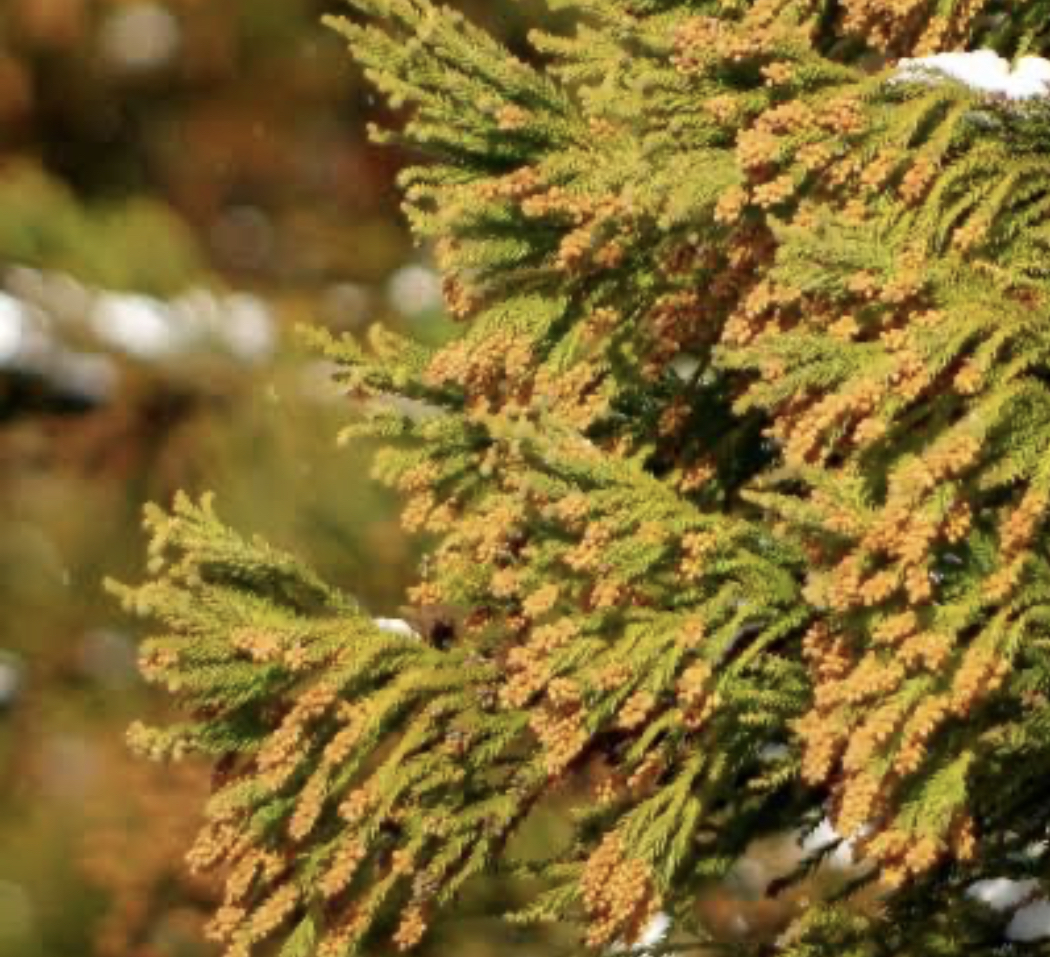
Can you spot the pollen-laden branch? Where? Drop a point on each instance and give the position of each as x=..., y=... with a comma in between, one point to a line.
x=733, y=486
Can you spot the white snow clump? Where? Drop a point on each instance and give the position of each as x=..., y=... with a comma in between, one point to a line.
x=1030, y=922
x=985, y=71
x=396, y=626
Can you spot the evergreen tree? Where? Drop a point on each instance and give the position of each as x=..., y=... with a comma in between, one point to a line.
x=734, y=486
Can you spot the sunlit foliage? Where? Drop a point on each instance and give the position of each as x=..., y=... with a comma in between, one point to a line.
x=734, y=482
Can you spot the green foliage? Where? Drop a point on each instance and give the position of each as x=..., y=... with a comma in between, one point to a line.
x=735, y=486
x=137, y=244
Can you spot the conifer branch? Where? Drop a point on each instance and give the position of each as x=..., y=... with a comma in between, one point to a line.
x=737, y=485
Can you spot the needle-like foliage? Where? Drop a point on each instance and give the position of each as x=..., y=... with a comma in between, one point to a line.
x=735, y=481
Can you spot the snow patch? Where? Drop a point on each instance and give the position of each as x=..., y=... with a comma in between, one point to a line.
x=138, y=325
x=396, y=626
x=11, y=677
x=983, y=70
x=12, y=329
x=1001, y=893
x=655, y=932
x=140, y=37
x=824, y=835
x=1031, y=922
x=414, y=290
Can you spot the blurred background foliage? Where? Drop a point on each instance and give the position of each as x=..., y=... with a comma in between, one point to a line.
x=181, y=183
